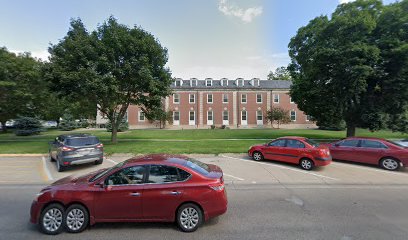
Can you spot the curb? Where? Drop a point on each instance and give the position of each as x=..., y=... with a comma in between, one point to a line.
x=22, y=155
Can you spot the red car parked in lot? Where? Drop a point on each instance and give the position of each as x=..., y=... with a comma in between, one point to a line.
x=388, y=155
x=297, y=150
x=153, y=188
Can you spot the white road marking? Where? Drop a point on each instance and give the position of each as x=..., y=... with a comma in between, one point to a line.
x=283, y=167
x=46, y=170
x=228, y=175
x=350, y=165
x=110, y=160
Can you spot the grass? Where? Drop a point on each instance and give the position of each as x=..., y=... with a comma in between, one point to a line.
x=179, y=141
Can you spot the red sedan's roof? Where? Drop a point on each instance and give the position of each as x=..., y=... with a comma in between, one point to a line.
x=158, y=158
x=372, y=138
x=293, y=137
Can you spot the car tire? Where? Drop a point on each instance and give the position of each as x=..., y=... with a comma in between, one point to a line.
x=100, y=161
x=189, y=217
x=51, y=219
x=60, y=167
x=257, y=156
x=306, y=164
x=76, y=218
x=390, y=164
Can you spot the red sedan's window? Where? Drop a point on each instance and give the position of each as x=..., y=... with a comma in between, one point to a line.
x=372, y=144
x=278, y=143
x=163, y=174
x=349, y=143
x=291, y=143
x=130, y=175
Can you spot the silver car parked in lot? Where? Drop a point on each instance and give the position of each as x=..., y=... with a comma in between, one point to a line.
x=73, y=149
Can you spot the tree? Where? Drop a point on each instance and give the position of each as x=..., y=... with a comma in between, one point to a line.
x=113, y=66
x=160, y=117
x=341, y=69
x=19, y=85
x=281, y=73
x=26, y=126
x=279, y=115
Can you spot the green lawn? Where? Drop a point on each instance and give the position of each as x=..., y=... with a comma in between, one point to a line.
x=179, y=141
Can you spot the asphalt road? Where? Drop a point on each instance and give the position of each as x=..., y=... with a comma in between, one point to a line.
x=266, y=201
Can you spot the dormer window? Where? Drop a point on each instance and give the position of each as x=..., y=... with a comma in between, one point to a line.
x=208, y=82
x=178, y=82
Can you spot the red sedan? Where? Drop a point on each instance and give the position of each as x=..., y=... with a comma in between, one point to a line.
x=153, y=188
x=297, y=150
x=388, y=155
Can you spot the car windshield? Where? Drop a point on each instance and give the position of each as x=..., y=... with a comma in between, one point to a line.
x=82, y=141
x=312, y=142
x=197, y=166
x=103, y=173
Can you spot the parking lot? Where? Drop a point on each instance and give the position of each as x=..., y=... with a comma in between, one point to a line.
x=267, y=200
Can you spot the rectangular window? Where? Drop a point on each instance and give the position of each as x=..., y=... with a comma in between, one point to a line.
x=276, y=98
x=225, y=98
x=209, y=98
x=259, y=115
x=176, y=116
x=258, y=98
x=210, y=115
x=243, y=98
x=178, y=83
x=192, y=98
x=291, y=100
x=192, y=116
x=141, y=116
x=244, y=115
x=208, y=83
x=293, y=115
x=308, y=118
x=176, y=98
x=225, y=115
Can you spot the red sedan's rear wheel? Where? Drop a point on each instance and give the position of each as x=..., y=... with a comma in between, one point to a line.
x=189, y=217
x=257, y=156
x=390, y=164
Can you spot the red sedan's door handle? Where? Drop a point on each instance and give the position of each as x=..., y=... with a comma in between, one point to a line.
x=135, y=194
x=175, y=193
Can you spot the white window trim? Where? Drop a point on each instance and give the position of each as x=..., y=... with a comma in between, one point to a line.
x=174, y=98
x=212, y=98
x=274, y=98
x=244, y=122
x=225, y=122
x=189, y=98
x=210, y=122
x=259, y=122
x=246, y=98
x=291, y=115
x=223, y=98
x=144, y=116
x=176, y=122
x=291, y=100
x=257, y=98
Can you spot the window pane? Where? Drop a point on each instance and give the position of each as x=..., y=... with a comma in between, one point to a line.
x=82, y=141
x=259, y=115
x=191, y=116
x=225, y=98
x=244, y=98
x=141, y=116
x=225, y=115
x=244, y=115
x=294, y=144
x=276, y=98
x=293, y=115
x=198, y=166
x=210, y=98
x=210, y=115
x=372, y=144
x=176, y=116
x=349, y=143
x=131, y=175
x=162, y=174
x=176, y=98
x=258, y=98
x=278, y=143
x=183, y=174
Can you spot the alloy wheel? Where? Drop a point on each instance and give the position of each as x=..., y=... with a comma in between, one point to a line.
x=257, y=156
x=390, y=164
x=189, y=218
x=306, y=164
x=52, y=220
x=75, y=219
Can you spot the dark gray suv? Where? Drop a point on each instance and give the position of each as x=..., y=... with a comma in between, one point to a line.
x=73, y=149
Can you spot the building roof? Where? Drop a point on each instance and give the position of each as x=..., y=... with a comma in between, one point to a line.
x=231, y=84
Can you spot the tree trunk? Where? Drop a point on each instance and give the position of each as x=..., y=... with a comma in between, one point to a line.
x=114, y=135
x=351, y=129
x=58, y=122
x=3, y=127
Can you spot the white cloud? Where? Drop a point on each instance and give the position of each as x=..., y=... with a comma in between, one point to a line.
x=345, y=1
x=43, y=55
x=246, y=15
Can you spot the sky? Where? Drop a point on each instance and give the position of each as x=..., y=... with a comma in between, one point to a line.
x=204, y=38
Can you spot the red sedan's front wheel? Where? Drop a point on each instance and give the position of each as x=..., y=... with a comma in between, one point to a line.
x=306, y=164
x=257, y=156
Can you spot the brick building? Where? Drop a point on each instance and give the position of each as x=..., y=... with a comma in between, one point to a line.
x=235, y=103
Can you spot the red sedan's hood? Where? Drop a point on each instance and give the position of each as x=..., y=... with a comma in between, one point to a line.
x=76, y=179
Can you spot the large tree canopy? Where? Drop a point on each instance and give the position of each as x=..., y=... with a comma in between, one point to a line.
x=353, y=66
x=280, y=73
x=19, y=85
x=112, y=66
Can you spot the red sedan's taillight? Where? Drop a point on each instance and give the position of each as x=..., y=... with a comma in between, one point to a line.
x=324, y=152
x=217, y=187
x=66, y=149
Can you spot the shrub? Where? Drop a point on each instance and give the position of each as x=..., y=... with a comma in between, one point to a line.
x=212, y=126
x=26, y=126
x=123, y=126
x=223, y=126
x=68, y=123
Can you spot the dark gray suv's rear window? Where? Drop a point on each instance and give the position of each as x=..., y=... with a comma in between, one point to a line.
x=81, y=141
